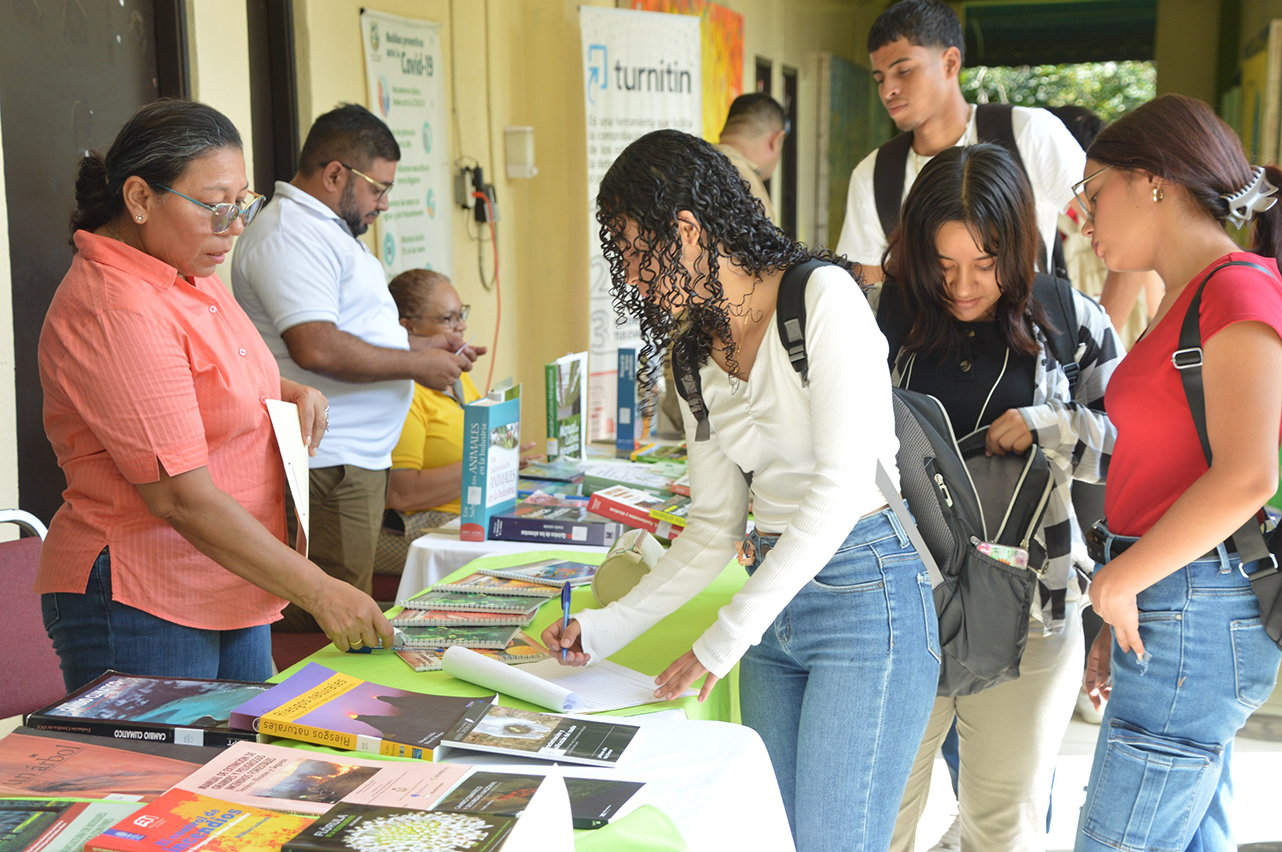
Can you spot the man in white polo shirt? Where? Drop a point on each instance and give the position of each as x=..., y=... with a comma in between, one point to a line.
x=320, y=300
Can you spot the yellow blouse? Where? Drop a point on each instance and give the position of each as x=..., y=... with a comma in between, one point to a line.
x=433, y=433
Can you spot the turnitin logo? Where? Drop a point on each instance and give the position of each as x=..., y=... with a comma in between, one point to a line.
x=664, y=77
x=598, y=69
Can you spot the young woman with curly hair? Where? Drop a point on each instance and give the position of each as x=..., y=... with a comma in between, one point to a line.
x=835, y=624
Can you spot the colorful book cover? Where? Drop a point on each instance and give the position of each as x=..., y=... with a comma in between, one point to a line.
x=188, y=711
x=521, y=650
x=309, y=783
x=599, y=475
x=597, y=741
x=655, y=453
x=674, y=510
x=345, y=712
x=567, y=383
x=460, y=618
x=491, y=459
x=550, y=572
x=367, y=828
x=629, y=426
x=181, y=820
x=632, y=507
x=681, y=485
x=52, y=765
x=56, y=825
x=553, y=471
x=477, y=582
x=572, y=524
x=593, y=801
x=527, y=487
x=464, y=637
x=480, y=601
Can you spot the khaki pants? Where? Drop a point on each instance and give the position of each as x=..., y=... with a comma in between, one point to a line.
x=346, y=507
x=1008, y=739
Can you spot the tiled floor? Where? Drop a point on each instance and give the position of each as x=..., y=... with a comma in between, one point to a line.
x=1257, y=766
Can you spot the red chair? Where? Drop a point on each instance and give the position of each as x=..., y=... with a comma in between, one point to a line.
x=30, y=677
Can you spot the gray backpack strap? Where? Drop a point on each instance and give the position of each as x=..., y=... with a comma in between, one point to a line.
x=888, y=490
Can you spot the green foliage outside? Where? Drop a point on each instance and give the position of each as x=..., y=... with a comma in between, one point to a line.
x=1109, y=89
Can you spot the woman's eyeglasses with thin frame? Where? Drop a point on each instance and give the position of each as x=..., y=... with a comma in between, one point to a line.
x=1079, y=192
x=223, y=216
x=452, y=319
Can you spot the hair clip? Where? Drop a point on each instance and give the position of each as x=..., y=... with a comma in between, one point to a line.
x=1255, y=197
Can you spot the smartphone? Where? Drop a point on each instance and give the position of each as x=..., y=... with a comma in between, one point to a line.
x=1014, y=556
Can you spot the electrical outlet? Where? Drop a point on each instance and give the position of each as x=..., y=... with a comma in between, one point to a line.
x=462, y=189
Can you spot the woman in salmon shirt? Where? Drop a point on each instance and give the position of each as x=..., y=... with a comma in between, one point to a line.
x=166, y=557
x=1188, y=654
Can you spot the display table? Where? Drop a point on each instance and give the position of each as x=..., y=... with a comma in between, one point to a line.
x=435, y=556
x=712, y=779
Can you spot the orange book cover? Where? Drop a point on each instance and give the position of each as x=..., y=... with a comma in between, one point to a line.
x=181, y=820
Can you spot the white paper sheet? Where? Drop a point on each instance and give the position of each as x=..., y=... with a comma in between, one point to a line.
x=293, y=453
x=564, y=689
x=547, y=823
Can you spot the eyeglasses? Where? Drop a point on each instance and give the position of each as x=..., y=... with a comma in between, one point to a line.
x=452, y=319
x=223, y=216
x=379, y=187
x=1079, y=192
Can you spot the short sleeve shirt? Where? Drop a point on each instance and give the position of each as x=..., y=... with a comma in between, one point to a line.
x=1053, y=159
x=433, y=433
x=142, y=368
x=298, y=263
x=1158, y=455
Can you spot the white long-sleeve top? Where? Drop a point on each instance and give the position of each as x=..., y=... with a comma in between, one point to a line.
x=812, y=452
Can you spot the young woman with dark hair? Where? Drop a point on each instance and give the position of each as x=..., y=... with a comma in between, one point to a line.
x=1187, y=653
x=836, y=623
x=167, y=557
x=960, y=274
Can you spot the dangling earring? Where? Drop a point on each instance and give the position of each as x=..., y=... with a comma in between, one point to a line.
x=1158, y=194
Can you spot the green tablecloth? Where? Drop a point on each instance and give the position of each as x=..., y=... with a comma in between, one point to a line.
x=644, y=830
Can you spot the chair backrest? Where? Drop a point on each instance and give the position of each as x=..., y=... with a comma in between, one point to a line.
x=30, y=677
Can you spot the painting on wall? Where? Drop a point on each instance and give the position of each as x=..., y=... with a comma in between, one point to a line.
x=722, y=57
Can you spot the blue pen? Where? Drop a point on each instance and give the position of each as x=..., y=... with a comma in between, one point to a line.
x=565, y=608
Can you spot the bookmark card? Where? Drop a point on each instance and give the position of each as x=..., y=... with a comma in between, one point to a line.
x=293, y=454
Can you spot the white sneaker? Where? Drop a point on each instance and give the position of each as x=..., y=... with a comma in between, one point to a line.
x=951, y=841
x=1087, y=712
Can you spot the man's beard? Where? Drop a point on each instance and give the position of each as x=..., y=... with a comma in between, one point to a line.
x=350, y=212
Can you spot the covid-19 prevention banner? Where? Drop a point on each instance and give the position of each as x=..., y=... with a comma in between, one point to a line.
x=641, y=72
x=405, y=79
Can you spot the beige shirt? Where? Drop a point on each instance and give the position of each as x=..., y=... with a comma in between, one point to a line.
x=749, y=172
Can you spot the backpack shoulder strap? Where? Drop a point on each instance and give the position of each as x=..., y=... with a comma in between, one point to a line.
x=892, y=319
x=888, y=179
x=996, y=123
x=790, y=314
x=1055, y=295
x=690, y=387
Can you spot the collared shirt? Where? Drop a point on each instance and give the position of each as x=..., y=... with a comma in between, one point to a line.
x=142, y=368
x=749, y=172
x=433, y=433
x=298, y=263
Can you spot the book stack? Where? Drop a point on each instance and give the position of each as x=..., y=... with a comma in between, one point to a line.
x=634, y=508
x=546, y=518
x=651, y=478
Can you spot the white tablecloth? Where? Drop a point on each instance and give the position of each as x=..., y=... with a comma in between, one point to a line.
x=437, y=555
x=713, y=779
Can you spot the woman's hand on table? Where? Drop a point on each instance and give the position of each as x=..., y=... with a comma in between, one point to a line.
x=681, y=675
x=571, y=642
x=349, y=617
x=313, y=411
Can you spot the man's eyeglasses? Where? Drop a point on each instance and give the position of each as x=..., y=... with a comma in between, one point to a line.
x=223, y=216
x=1079, y=192
x=381, y=189
x=452, y=319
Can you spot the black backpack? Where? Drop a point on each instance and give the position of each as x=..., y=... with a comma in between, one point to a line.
x=959, y=497
x=993, y=123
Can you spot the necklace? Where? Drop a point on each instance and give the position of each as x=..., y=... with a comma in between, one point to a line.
x=747, y=309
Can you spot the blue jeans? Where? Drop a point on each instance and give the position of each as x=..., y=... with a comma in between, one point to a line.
x=841, y=686
x=93, y=633
x=1160, y=778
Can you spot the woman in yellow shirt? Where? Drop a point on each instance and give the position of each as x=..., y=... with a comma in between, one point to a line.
x=427, y=463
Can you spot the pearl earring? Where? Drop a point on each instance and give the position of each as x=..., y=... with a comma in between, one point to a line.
x=1158, y=194
x=139, y=218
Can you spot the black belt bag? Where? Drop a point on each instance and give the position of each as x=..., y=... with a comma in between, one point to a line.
x=1252, y=547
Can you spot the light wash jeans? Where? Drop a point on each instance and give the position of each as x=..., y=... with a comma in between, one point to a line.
x=1160, y=779
x=93, y=633
x=841, y=685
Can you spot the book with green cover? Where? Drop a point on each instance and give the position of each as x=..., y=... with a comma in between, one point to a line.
x=553, y=471
x=366, y=828
x=521, y=650
x=567, y=383
x=479, y=601
x=593, y=801
x=548, y=572
x=464, y=637
x=599, y=475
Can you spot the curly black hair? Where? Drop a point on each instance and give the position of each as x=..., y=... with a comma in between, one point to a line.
x=657, y=177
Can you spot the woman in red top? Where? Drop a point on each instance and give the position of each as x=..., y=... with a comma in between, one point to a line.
x=1189, y=657
x=166, y=557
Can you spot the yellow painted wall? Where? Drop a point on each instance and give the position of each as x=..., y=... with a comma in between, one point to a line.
x=1185, y=47
x=8, y=402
